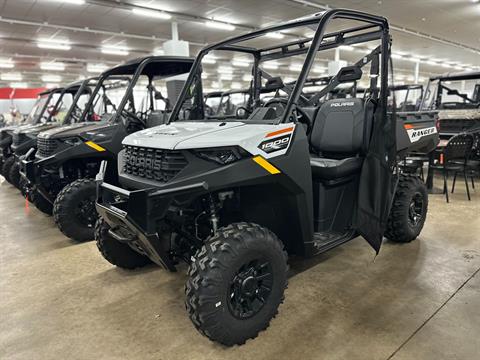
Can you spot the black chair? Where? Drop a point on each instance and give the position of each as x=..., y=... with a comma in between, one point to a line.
x=453, y=159
x=472, y=165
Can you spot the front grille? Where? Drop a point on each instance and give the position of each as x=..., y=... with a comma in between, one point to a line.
x=18, y=139
x=153, y=164
x=46, y=147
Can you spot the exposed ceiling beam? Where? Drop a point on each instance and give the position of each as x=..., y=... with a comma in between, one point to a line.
x=398, y=28
x=87, y=30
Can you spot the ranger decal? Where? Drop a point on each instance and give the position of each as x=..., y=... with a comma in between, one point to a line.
x=416, y=134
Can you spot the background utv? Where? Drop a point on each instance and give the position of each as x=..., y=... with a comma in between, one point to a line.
x=68, y=158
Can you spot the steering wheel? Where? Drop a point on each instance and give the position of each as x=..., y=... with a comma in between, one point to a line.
x=133, y=120
x=302, y=119
x=244, y=110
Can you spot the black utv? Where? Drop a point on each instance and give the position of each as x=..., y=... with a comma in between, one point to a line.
x=63, y=169
x=39, y=116
x=232, y=197
x=63, y=110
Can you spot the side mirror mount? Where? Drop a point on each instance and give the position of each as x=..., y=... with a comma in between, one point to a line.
x=349, y=74
x=274, y=83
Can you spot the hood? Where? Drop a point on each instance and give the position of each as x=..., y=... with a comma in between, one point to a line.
x=169, y=136
x=73, y=130
x=37, y=128
x=12, y=128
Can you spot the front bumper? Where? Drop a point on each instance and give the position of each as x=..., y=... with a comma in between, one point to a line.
x=139, y=211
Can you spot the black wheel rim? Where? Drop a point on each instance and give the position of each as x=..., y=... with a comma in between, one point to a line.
x=250, y=288
x=415, y=210
x=86, y=213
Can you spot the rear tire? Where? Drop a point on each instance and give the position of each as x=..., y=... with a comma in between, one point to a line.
x=41, y=203
x=7, y=165
x=74, y=210
x=14, y=174
x=236, y=283
x=409, y=210
x=115, y=252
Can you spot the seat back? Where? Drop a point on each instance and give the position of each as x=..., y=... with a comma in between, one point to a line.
x=458, y=147
x=156, y=118
x=342, y=128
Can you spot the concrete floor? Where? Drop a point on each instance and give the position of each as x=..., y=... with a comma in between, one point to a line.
x=61, y=300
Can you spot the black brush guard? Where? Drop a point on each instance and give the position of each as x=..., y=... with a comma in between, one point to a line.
x=139, y=212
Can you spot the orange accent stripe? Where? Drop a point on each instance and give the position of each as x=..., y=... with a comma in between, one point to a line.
x=278, y=132
x=408, y=126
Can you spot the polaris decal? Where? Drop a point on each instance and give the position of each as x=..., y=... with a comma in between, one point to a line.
x=342, y=104
x=277, y=144
x=416, y=134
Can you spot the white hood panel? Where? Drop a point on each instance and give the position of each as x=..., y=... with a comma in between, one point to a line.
x=201, y=135
x=169, y=136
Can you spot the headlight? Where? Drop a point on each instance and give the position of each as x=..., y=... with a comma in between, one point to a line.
x=222, y=156
x=73, y=141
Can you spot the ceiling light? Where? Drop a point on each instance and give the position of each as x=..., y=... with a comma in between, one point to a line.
x=458, y=67
x=54, y=66
x=19, y=85
x=236, y=85
x=445, y=65
x=319, y=69
x=414, y=59
x=54, y=44
x=50, y=85
x=152, y=13
x=227, y=77
x=225, y=69
x=209, y=60
x=204, y=76
x=346, y=47
x=240, y=63
x=295, y=67
x=71, y=2
x=96, y=68
x=275, y=35
x=158, y=51
x=430, y=62
x=11, y=77
x=270, y=65
x=51, y=78
x=247, y=77
x=220, y=25
x=397, y=56
x=6, y=64
x=115, y=50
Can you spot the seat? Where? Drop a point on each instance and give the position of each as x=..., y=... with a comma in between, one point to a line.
x=339, y=138
x=330, y=169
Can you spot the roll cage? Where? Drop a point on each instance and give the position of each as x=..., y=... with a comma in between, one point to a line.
x=374, y=28
x=438, y=82
x=148, y=66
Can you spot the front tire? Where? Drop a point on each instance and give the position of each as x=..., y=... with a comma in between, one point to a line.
x=236, y=283
x=7, y=165
x=115, y=252
x=14, y=174
x=74, y=210
x=409, y=210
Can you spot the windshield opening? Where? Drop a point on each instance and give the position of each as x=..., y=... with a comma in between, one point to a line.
x=256, y=78
x=452, y=94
